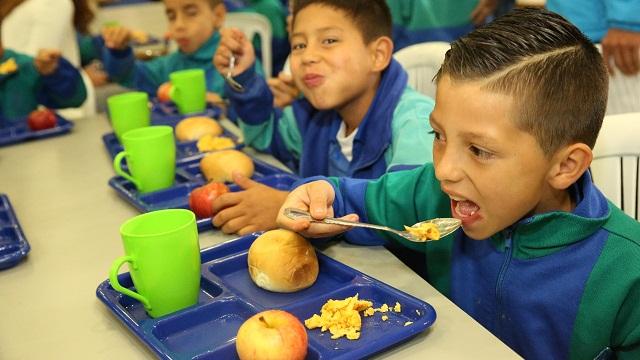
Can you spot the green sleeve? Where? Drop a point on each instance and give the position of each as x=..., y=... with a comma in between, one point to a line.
x=264, y=138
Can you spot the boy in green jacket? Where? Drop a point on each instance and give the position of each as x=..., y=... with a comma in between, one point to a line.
x=543, y=260
x=26, y=82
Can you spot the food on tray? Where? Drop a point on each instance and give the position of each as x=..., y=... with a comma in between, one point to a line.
x=213, y=143
x=272, y=334
x=282, y=261
x=220, y=165
x=8, y=66
x=201, y=199
x=163, y=92
x=195, y=127
x=425, y=231
x=340, y=317
x=41, y=119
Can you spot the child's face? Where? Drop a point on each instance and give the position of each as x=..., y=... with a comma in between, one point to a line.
x=493, y=172
x=330, y=62
x=192, y=22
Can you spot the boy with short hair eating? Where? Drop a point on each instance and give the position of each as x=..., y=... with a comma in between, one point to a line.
x=543, y=260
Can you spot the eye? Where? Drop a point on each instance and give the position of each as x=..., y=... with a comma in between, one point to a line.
x=480, y=153
x=436, y=135
x=171, y=16
x=329, y=41
x=297, y=46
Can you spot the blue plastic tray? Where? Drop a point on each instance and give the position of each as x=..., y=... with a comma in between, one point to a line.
x=228, y=297
x=13, y=244
x=168, y=114
x=20, y=132
x=186, y=151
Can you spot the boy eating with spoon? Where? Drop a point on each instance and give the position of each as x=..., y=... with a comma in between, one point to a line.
x=544, y=261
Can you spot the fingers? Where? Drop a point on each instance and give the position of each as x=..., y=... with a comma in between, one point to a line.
x=607, y=57
x=627, y=59
x=227, y=200
x=116, y=37
x=226, y=215
x=243, y=181
x=320, y=199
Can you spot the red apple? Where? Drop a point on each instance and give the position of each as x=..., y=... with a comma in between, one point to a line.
x=163, y=92
x=272, y=334
x=41, y=119
x=201, y=199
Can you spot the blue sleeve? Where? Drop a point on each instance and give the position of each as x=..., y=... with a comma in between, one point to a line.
x=623, y=14
x=265, y=127
x=63, y=88
x=124, y=69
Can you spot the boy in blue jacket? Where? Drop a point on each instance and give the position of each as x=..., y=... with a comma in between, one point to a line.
x=193, y=25
x=358, y=117
x=543, y=260
x=26, y=82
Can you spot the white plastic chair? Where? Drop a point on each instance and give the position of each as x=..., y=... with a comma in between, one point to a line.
x=254, y=24
x=624, y=92
x=617, y=161
x=422, y=62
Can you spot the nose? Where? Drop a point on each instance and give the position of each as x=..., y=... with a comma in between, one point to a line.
x=447, y=163
x=310, y=55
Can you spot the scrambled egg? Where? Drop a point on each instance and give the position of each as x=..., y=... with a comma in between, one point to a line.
x=212, y=143
x=426, y=231
x=340, y=317
x=408, y=323
x=397, y=308
x=8, y=66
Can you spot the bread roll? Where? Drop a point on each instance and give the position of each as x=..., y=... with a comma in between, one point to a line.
x=219, y=166
x=282, y=261
x=195, y=127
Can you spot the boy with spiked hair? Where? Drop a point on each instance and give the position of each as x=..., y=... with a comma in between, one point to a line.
x=543, y=260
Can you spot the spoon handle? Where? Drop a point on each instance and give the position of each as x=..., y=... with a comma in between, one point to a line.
x=299, y=214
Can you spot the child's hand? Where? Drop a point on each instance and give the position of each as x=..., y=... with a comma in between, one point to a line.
x=622, y=48
x=233, y=41
x=253, y=209
x=116, y=37
x=316, y=198
x=483, y=10
x=284, y=90
x=46, y=61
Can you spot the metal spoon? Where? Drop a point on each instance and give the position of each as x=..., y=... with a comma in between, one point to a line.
x=445, y=225
x=234, y=84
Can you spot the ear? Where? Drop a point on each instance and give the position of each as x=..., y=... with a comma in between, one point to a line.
x=381, y=51
x=219, y=12
x=568, y=164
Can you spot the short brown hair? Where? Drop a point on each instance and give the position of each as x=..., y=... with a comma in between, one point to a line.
x=371, y=17
x=555, y=74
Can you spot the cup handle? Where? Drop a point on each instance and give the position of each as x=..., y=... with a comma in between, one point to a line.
x=117, y=161
x=113, y=279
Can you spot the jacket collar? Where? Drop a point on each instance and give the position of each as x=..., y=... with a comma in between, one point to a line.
x=206, y=51
x=542, y=234
x=375, y=128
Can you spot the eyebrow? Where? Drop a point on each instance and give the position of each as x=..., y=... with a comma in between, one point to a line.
x=467, y=135
x=321, y=30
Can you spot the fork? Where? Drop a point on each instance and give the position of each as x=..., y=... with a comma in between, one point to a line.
x=445, y=225
x=234, y=84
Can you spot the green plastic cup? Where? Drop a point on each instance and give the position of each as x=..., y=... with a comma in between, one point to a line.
x=163, y=255
x=189, y=90
x=151, y=158
x=128, y=111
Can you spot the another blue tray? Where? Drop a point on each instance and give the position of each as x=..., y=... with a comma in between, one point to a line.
x=228, y=297
x=20, y=132
x=186, y=151
x=168, y=114
x=13, y=244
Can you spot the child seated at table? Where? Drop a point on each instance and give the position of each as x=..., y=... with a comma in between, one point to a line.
x=193, y=25
x=26, y=82
x=358, y=118
x=544, y=261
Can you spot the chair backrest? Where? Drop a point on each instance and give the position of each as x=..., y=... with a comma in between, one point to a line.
x=624, y=92
x=422, y=61
x=254, y=24
x=616, y=162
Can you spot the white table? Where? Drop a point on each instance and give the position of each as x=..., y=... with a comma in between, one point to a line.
x=48, y=307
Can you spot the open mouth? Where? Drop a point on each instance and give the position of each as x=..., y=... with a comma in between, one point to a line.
x=465, y=210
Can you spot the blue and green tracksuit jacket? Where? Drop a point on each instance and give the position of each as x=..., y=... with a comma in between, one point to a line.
x=123, y=68
x=416, y=21
x=559, y=285
x=23, y=90
x=596, y=17
x=393, y=134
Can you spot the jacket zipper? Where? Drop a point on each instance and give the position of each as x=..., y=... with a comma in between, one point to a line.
x=503, y=269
